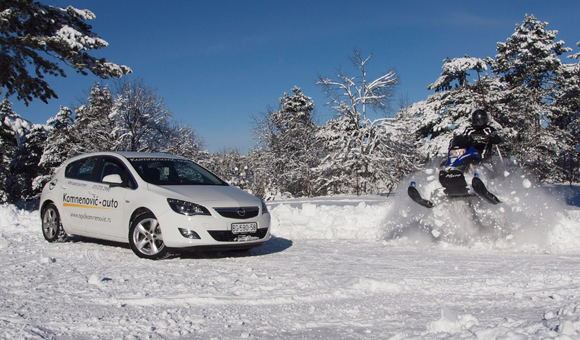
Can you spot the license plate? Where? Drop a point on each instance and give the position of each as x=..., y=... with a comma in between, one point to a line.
x=244, y=228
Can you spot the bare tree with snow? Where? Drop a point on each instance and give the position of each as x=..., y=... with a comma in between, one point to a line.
x=361, y=155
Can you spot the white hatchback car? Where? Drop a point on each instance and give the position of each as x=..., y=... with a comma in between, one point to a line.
x=155, y=202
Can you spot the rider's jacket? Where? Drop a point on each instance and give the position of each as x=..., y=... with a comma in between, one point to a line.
x=482, y=139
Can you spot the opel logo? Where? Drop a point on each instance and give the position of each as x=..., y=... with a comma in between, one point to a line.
x=242, y=212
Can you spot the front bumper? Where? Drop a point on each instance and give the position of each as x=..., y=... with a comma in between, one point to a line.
x=213, y=231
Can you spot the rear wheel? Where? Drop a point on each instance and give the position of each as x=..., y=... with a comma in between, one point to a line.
x=51, y=226
x=146, y=239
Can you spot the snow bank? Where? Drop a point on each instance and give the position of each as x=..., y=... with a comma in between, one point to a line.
x=16, y=224
x=340, y=217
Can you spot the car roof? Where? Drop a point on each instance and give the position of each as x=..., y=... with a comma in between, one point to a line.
x=134, y=154
x=127, y=155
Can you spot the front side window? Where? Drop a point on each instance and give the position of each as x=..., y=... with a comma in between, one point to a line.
x=173, y=171
x=112, y=166
x=81, y=169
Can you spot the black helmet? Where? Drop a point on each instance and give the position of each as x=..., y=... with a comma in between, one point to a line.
x=479, y=118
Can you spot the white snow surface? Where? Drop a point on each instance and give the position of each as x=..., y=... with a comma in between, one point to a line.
x=372, y=267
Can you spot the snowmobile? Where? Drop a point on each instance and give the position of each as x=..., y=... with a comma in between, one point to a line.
x=462, y=160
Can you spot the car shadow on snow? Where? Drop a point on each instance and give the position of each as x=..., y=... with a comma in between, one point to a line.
x=274, y=245
x=84, y=239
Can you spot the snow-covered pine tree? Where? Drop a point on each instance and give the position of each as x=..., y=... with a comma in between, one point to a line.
x=60, y=143
x=528, y=64
x=565, y=114
x=21, y=145
x=287, y=134
x=8, y=145
x=93, y=127
x=447, y=112
x=24, y=167
x=293, y=143
x=29, y=31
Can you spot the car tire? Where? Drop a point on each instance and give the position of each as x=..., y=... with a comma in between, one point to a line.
x=146, y=239
x=51, y=225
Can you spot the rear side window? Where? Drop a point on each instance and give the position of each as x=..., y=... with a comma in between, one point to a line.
x=81, y=169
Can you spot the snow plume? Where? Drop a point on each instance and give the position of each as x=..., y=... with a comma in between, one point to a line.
x=530, y=216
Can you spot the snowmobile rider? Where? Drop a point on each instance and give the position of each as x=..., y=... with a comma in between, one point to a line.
x=481, y=136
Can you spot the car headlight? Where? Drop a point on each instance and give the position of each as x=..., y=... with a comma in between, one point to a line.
x=264, y=208
x=187, y=208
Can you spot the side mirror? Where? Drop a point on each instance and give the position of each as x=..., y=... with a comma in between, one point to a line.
x=113, y=179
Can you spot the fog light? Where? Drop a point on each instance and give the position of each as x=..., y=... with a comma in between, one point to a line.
x=189, y=234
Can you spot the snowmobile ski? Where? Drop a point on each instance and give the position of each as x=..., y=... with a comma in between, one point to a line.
x=416, y=196
x=481, y=190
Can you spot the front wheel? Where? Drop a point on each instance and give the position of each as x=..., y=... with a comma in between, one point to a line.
x=51, y=225
x=146, y=239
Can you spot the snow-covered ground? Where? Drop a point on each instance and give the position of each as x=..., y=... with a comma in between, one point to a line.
x=368, y=267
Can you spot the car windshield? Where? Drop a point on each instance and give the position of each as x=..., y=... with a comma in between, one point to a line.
x=173, y=171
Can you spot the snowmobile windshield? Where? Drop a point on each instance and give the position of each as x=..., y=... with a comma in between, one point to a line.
x=460, y=151
x=459, y=142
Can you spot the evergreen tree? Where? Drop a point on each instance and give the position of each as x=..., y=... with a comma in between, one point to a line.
x=30, y=31
x=24, y=166
x=530, y=96
x=528, y=64
x=8, y=145
x=60, y=143
x=456, y=71
x=565, y=115
x=288, y=135
x=447, y=112
x=21, y=145
x=93, y=127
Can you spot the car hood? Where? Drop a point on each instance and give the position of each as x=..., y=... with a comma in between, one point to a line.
x=217, y=195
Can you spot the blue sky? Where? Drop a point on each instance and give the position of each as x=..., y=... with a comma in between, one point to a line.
x=218, y=63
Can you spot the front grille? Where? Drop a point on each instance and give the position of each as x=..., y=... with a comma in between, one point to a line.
x=239, y=213
x=228, y=236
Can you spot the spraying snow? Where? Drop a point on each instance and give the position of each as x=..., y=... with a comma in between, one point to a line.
x=526, y=217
